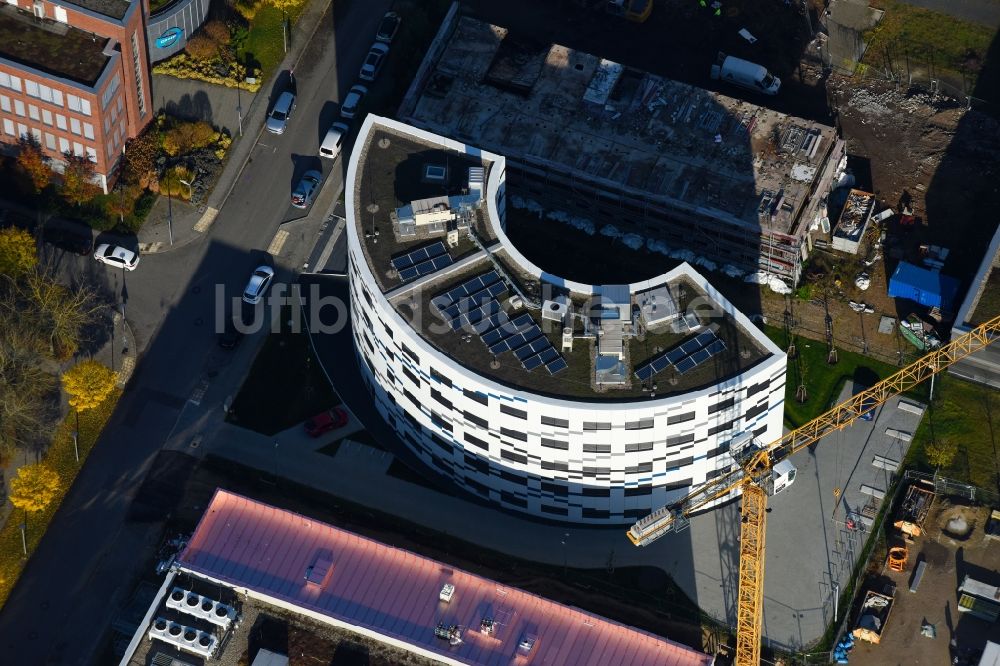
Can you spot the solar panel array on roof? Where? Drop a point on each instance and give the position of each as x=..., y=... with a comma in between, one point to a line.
x=684, y=357
x=473, y=304
x=422, y=261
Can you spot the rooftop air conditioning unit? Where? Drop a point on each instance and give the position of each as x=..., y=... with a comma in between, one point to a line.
x=184, y=638
x=555, y=310
x=447, y=592
x=201, y=607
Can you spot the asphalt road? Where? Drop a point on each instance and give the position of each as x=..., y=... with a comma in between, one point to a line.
x=84, y=567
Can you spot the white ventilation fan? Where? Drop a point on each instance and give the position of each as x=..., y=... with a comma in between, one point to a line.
x=202, y=607
x=185, y=638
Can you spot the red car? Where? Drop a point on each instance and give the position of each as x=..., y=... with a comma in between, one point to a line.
x=326, y=421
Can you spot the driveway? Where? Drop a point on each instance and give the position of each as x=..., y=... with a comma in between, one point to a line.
x=81, y=572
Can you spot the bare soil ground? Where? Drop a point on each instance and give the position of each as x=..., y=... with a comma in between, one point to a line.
x=949, y=559
x=910, y=148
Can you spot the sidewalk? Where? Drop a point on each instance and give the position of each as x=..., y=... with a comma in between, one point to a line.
x=194, y=222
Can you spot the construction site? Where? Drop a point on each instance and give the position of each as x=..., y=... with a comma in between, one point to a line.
x=680, y=168
x=929, y=594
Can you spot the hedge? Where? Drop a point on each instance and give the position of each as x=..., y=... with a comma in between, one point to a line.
x=59, y=457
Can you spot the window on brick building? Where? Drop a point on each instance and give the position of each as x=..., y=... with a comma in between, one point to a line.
x=63, y=145
x=50, y=141
x=19, y=107
x=74, y=126
x=5, y=103
x=88, y=131
x=33, y=112
x=8, y=126
x=47, y=117
x=61, y=121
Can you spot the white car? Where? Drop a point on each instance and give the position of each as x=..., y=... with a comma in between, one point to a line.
x=349, y=108
x=282, y=111
x=114, y=255
x=258, y=284
x=374, y=61
x=333, y=142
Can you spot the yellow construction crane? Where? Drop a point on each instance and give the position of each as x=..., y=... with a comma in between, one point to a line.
x=751, y=475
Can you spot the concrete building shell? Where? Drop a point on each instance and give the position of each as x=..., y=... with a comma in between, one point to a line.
x=734, y=182
x=600, y=460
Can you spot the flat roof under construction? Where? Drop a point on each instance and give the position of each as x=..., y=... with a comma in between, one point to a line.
x=552, y=107
x=392, y=594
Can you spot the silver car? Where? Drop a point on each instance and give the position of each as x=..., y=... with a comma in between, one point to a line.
x=306, y=189
x=258, y=284
x=277, y=120
x=349, y=108
x=374, y=61
x=114, y=255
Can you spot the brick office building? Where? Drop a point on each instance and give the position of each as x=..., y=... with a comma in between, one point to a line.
x=75, y=76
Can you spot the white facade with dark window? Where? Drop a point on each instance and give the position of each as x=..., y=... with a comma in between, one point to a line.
x=599, y=460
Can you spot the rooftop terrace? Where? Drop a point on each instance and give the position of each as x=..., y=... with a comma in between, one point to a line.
x=391, y=169
x=548, y=105
x=52, y=47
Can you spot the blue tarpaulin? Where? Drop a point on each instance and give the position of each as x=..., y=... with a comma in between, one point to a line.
x=924, y=286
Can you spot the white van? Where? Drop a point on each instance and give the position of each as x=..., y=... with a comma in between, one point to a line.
x=747, y=74
x=333, y=141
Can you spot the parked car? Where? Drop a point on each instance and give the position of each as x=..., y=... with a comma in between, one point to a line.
x=326, y=421
x=277, y=120
x=77, y=242
x=306, y=189
x=349, y=108
x=388, y=28
x=373, y=61
x=117, y=256
x=333, y=142
x=258, y=284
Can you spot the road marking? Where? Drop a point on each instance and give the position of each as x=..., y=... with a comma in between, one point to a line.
x=199, y=393
x=274, y=249
x=150, y=248
x=206, y=220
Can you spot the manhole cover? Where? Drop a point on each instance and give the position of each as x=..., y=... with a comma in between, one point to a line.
x=372, y=208
x=384, y=142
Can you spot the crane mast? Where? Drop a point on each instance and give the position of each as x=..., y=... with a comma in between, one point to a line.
x=749, y=474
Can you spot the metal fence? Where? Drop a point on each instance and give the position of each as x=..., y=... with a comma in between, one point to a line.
x=942, y=486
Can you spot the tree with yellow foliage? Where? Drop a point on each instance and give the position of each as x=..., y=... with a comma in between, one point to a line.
x=34, y=488
x=18, y=254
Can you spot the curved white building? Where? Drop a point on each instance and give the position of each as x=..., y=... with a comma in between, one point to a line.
x=557, y=415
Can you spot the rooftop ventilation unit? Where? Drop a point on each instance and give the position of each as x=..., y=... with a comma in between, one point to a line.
x=447, y=592
x=184, y=638
x=201, y=607
x=555, y=310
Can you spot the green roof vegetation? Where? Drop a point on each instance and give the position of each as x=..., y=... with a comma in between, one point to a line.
x=73, y=54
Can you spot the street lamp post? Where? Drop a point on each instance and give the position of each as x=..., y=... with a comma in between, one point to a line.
x=24, y=538
x=170, y=210
x=240, y=74
x=76, y=436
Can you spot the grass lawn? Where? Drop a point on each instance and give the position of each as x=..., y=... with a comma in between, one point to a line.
x=824, y=381
x=930, y=37
x=61, y=458
x=285, y=386
x=265, y=43
x=969, y=415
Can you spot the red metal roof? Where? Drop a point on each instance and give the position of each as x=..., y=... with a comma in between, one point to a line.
x=394, y=592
